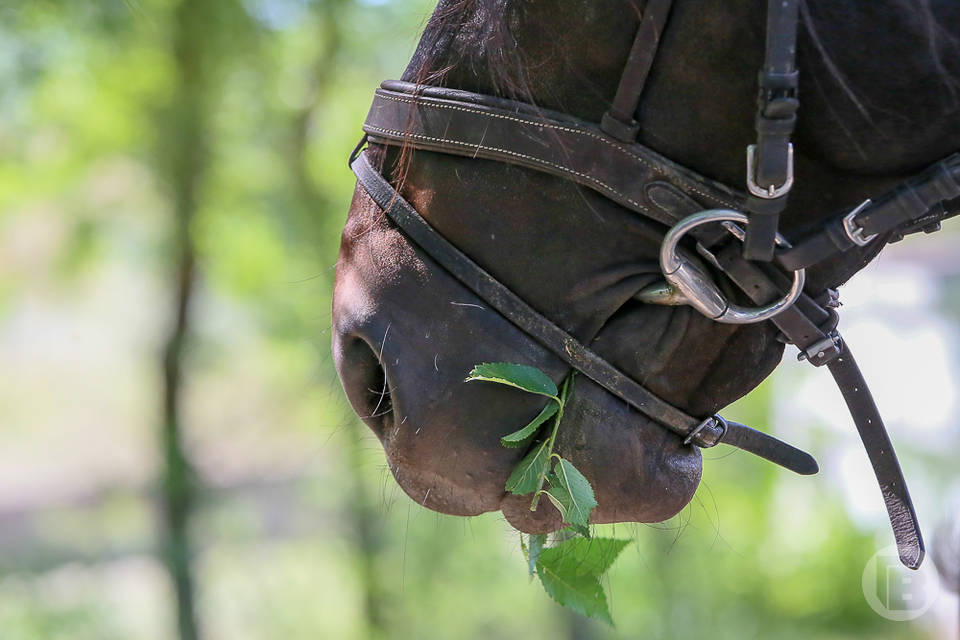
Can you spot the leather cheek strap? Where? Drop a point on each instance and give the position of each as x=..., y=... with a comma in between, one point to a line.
x=919, y=204
x=811, y=328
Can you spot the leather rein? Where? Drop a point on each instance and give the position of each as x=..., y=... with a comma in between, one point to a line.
x=605, y=157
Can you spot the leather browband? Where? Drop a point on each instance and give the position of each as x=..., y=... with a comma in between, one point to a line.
x=443, y=120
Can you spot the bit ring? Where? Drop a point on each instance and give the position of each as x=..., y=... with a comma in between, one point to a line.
x=701, y=291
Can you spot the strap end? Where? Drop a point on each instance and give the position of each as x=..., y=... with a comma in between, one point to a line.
x=770, y=448
x=911, y=555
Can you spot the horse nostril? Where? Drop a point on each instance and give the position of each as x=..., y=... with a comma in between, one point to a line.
x=365, y=382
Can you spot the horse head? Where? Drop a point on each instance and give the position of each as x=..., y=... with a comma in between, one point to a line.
x=407, y=332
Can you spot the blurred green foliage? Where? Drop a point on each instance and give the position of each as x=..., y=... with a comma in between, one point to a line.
x=301, y=532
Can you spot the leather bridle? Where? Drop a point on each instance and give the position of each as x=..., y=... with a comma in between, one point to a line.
x=607, y=159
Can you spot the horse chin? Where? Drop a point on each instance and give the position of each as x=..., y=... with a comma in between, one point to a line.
x=640, y=472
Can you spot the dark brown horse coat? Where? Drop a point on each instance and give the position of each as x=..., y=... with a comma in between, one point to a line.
x=881, y=100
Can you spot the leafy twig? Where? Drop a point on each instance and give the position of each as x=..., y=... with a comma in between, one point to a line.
x=551, y=441
x=570, y=571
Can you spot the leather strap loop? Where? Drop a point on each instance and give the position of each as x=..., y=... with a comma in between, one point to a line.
x=920, y=204
x=619, y=121
x=776, y=117
x=939, y=183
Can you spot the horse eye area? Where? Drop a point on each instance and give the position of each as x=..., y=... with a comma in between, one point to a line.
x=365, y=383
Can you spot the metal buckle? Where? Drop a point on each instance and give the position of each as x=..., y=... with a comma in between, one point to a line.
x=714, y=420
x=771, y=192
x=854, y=231
x=823, y=351
x=698, y=288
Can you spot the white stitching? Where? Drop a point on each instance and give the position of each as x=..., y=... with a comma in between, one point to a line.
x=558, y=127
x=394, y=132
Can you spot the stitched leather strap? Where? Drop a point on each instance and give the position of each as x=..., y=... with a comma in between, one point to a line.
x=619, y=121
x=702, y=432
x=458, y=123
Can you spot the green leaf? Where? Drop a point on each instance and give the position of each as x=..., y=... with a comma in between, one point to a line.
x=574, y=492
x=520, y=376
x=536, y=546
x=571, y=571
x=526, y=476
x=555, y=496
x=522, y=437
x=592, y=556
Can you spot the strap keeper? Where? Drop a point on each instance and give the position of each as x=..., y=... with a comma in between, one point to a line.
x=947, y=181
x=823, y=351
x=778, y=81
x=623, y=130
x=760, y=239
x=780, y=121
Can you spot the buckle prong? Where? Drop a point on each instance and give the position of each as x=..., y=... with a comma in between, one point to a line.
x=770, y=192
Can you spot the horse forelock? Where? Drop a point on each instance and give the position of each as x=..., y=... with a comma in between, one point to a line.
x=482, y=31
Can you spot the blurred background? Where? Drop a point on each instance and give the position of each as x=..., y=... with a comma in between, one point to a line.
x=177, y=459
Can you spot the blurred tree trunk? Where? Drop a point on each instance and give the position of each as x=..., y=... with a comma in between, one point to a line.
x=368, y=526
x=578, y=627
x=361, y=508
x=183, y=133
